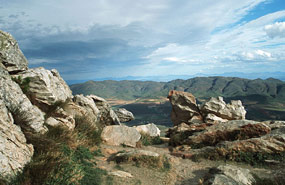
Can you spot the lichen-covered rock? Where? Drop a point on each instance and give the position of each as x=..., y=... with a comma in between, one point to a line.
x=120, y=135
x=26, y=115
x=229, y=175
x=228, y=131
x=107, y=115
x=10, y=54
x=14, y=151
x=184, y=108
x=46, y=87
x=124, y=115
x=150, y=129
x=231, y=111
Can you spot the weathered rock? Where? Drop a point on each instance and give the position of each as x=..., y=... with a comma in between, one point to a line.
x=118, y=134
x=122, y=174
x=28, y=116
x=61, y=118
x=184, y=108
x=229, y=175
x=231, y=111
x=228, y=131
x=212, y=118
x=267, y=144
x=124, y=115
x=10, y=54
x=149, y=129
x=107, y=115
x=46, y=87
x=14, y=151
x=82, y=106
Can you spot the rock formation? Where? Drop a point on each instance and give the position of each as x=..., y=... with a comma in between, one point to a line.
x=46, y=87
x=31, y=97
x=10, y=54
x=120, y=135
x=148, y=129
x=107, y=115
x=124, y=115
x=184, y=108
x=228, y=174
x=14, y=151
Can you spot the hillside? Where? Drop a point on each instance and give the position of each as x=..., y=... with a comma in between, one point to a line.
x=201, y=87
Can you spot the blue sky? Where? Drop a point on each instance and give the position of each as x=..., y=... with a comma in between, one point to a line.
x=114, y=39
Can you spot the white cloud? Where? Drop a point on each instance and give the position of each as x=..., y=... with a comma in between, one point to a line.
x=275, y=30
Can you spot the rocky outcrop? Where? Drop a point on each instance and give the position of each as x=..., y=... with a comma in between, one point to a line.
x=228, y=175
x=28, y=116
x=10, y=54
x=124, y=115
x=107, y=115
x=148, y=129
x=14, y=151
x=229, y=131
x=120, y=135
x=61, y=118
x=217, y=107
x=184, y=108
x=45, y=87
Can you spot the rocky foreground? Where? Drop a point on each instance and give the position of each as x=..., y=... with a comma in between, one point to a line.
x=49, y=136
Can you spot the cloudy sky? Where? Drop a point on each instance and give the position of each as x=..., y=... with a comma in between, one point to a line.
x=86, y=39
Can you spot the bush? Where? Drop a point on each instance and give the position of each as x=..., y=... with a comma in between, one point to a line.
x=149, y=140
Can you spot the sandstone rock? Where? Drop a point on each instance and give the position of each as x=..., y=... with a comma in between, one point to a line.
x=122, y=174
x=149, y=129
x=10, y=54
x=228, y=131
x=229, y=175
x=107, y=115
x=184, y=108
x=217, y=106
x=46, y=87
x=28, y=116
x=118, y=134
x=124, y=115
x=14, y=151
x=61, y=118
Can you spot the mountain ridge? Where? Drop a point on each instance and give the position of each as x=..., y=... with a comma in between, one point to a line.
x=201, y=87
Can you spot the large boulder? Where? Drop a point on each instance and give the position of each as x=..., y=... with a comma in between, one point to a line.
x=14, y=151
x=231, y=111
x=149, y=129
x=107, y=115
x=184, y=108
x=10, y=54
x=25, y=114
x=46, y=87
x=229, y=131
x=229, y=175
x=124, y=115
x=120, y=135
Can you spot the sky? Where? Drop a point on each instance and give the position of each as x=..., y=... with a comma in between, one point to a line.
x=97, y=39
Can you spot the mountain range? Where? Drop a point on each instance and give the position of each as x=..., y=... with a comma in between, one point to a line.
x=201, y=87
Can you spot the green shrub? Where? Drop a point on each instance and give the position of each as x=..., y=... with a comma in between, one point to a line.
x=149, y=140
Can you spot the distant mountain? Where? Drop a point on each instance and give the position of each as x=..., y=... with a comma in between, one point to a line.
x=201, y=87
x=278, y=75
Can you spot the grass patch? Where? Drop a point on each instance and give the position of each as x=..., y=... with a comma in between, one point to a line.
x=149, y=140
x=64, y=157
